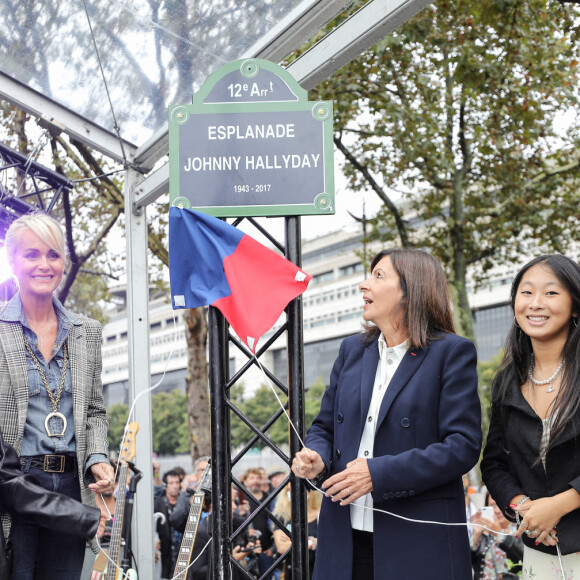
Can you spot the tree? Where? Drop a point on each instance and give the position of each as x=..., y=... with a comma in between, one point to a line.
x=170, y=429
x=117, y=415
x=486, y=372
x=262, y=406
x=455, y=112
x=196, y=383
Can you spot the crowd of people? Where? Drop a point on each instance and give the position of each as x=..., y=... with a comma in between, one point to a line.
x=256, y=547
x=399, y=427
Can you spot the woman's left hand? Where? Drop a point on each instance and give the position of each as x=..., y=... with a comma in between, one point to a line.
x=104, y=475
x=350, y=484
x=539, y=518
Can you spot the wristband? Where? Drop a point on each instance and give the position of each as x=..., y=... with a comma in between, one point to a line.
x=319, y=478
x=524, y=499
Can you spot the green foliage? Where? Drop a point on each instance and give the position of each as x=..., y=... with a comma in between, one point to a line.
x=117, y=415
x=262, y=406
x=169, y=423
x=486, y=372
x=169, y=414
x=456, y=110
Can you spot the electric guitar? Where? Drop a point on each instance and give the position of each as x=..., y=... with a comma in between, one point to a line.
x=103, y=569
x=193, y=519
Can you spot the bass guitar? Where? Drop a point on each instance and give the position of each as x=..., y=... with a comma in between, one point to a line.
x=103, y=568
x=193, y=519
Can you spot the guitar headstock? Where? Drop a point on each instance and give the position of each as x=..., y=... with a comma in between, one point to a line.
x=129, y=446
x=204, y=483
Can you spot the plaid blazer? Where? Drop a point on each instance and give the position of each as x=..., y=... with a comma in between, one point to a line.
x=90, y=417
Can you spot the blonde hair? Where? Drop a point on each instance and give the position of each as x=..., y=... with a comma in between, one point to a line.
x=44, y=226
x=282, y=507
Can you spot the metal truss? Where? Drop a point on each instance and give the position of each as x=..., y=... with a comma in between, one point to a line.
x=26, y=185
x=222, y=408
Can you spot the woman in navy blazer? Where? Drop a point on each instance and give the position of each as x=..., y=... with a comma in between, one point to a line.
x=396, y=441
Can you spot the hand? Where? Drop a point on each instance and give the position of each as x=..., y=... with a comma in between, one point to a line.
x=103, y=519
x=480, y=521
x=238, y=554
x=104, y=475
x=539, y=520
x=307, y=464
x=350, y=484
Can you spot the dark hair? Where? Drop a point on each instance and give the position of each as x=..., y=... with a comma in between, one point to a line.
x=425, y=307
x=518, y=347
x=180, y=471
x=171, y=473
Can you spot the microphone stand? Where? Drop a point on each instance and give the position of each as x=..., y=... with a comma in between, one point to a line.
x=126, y=534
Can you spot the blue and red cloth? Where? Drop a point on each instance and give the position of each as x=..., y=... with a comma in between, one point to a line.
x=212, y=262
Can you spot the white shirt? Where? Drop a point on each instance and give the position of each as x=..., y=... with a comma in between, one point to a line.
x=361, y=518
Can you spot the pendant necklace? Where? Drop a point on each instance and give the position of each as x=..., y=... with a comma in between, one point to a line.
x=543, y=381
x=40, y=335
x=53, y=400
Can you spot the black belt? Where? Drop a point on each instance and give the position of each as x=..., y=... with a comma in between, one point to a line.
x=50, y=463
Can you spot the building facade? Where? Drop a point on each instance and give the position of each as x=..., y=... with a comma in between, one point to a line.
x=332, y=310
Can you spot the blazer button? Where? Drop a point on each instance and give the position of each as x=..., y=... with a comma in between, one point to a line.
x=337, y=453
x=340, y=417
x=405, y=422
x=398, y=494
x=385, y=496
x=391, y=494
x=411, y=492
x=404, y=494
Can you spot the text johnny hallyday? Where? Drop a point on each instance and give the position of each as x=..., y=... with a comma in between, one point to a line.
x=251, y=162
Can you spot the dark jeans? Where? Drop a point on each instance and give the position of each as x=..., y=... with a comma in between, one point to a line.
x=40, y=553
x=362, y=563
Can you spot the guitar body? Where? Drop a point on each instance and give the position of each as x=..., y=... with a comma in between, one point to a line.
x=101, y=565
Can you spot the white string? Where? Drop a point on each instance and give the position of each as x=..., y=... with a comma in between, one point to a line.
x=466, y=524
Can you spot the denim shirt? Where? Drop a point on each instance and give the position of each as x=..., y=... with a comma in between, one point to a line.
x=35, y=440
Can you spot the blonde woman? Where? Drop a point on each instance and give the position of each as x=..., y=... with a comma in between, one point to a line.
x=51, y=402
x=282, y=510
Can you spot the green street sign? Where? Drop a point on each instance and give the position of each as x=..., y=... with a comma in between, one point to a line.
x=252, y=144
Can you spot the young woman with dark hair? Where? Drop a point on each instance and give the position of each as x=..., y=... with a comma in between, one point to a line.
x=531, y=462
x=398, y=427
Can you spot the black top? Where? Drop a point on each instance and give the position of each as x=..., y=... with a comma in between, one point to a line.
x=511, y=464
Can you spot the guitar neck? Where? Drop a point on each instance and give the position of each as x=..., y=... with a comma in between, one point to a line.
x=189, y=535
x=115, y=544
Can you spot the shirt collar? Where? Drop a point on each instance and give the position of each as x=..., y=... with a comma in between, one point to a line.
x=13, y=312
x=398, y=351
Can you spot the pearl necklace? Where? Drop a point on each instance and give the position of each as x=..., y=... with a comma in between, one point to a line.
x=542, y=382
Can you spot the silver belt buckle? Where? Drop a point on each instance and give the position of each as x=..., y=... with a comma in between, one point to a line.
x=47, y=467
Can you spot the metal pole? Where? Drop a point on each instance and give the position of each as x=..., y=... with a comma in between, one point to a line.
x=139, y=370
x=220, y=446
x=296, y=407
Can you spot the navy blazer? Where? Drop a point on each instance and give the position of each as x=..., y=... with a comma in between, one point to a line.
x=428, y=435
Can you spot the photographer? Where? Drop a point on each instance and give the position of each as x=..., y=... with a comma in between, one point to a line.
x=491, y=552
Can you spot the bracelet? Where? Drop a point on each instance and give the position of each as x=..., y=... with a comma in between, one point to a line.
x=319, y=478
x=524, y=499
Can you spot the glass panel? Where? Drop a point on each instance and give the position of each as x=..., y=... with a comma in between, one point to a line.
x=154, y=54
